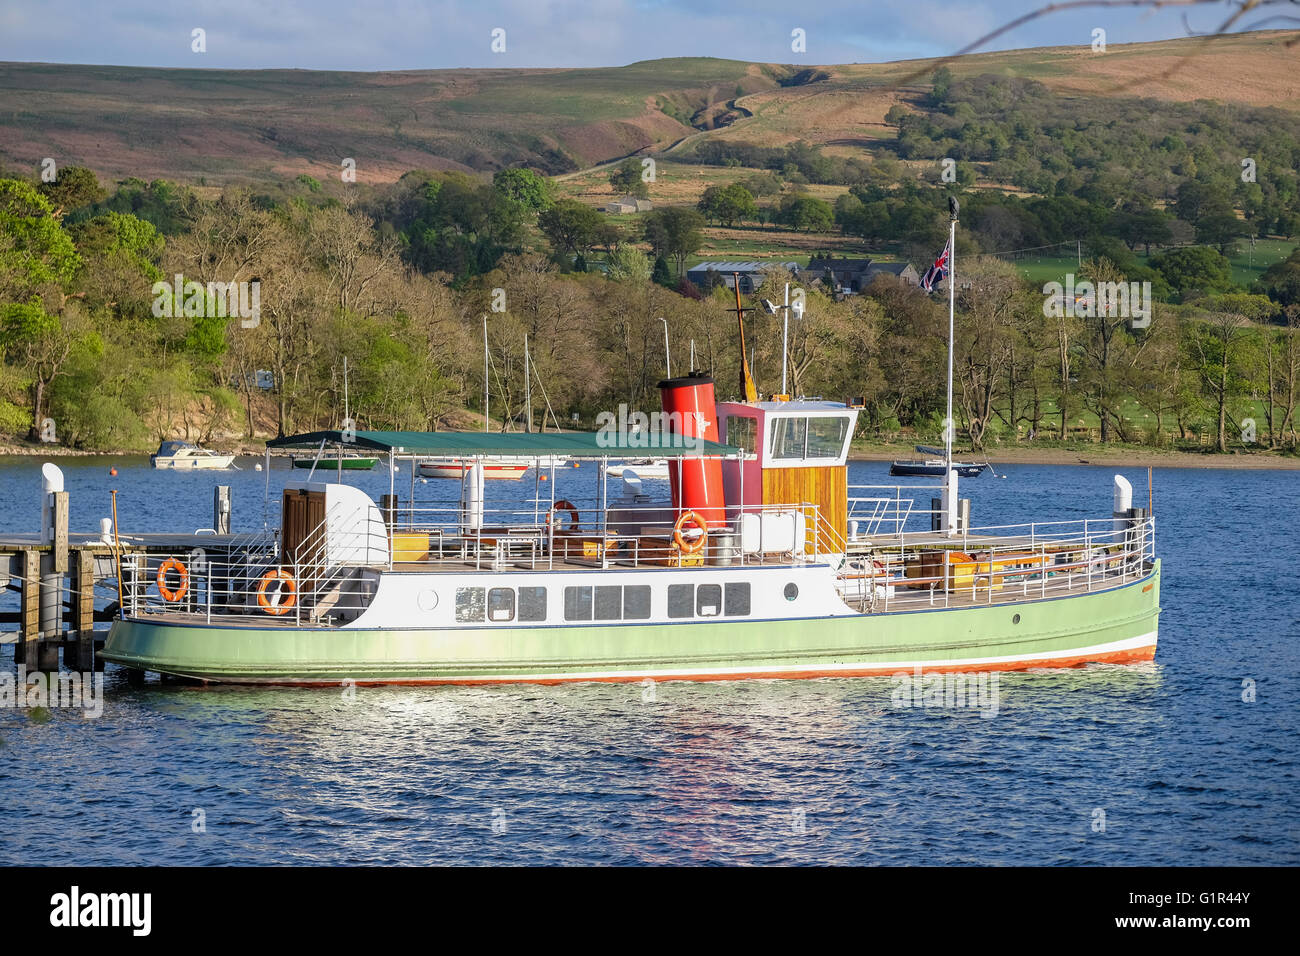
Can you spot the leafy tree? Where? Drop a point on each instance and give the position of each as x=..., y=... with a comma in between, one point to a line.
x=1281, y=281
x=35, y=250
x=674, y=232
x=662, y=274
x=626, y=178
x=809, y=214
x=1222, y=229
x=628, y=263
x=570, y=226
x=728, y=204
x=41, y=345
x=1192, y=269
x=525, y=187
x=73, y=188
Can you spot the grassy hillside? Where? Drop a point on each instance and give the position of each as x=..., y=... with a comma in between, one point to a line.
x=224, y=125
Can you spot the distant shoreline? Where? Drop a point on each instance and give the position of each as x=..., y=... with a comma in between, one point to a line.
x=1109, y=456
x=1136, y=457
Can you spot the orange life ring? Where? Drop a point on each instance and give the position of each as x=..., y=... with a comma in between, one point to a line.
x=564, y=505
x=690, y=545
x=286, y=584
x=173, y=564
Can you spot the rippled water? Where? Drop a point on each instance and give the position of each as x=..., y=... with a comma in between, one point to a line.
x=756, y=772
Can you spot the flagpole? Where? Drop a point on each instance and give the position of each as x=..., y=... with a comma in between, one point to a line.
x=949, y=476
x=952, y=285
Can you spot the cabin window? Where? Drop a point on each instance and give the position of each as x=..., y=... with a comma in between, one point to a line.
x=636, y=602
x=788, y=437
x=470, y=605
x=532, y=604
x=681, y=600
x=826, y=436
x=577, y=604
x=708, y=600
x=501, y=604
x=609, y=602
x=742, y=432
x=737, y=599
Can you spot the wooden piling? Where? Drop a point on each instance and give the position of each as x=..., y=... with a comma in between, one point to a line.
x=29, y=614
x=82, y=608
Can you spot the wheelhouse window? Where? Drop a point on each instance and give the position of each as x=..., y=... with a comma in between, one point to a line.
x=742, y=432
x=826, y=436
x=788, y=437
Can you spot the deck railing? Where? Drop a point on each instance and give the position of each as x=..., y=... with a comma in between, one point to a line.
x=331, y=577
x=997, y=564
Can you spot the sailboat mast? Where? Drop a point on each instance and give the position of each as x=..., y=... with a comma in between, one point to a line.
x=486, y=397
x=346, y=414
x=528, y=389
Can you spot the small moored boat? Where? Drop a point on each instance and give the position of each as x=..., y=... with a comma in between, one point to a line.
x=187, y=456
x=457, y=467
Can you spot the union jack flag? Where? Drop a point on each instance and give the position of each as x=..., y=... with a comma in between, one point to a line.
x=937, y=272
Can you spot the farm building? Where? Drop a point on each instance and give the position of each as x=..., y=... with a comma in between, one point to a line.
x=854, y=275
x=627, y=204
x=751, y=274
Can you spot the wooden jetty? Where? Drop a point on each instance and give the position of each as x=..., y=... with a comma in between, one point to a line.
x=56, y=573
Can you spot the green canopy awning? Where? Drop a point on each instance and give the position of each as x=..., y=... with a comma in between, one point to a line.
x=592, y=445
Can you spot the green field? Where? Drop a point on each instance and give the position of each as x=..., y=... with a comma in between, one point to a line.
x=1247, y=265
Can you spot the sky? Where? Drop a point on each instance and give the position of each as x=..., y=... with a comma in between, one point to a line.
x=439, y=34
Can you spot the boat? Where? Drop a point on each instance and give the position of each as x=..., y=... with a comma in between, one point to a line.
x=493, y=468
x=187, y=456
x=347, y=463
x=640, y=467
x=759, y=560
x=936, y=465
x=934, y=468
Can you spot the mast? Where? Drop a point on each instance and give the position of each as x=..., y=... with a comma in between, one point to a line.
x=528, y=390
x=746, y=380
x=485, y=374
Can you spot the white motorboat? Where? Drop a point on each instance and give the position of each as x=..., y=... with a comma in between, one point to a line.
x=186, y=456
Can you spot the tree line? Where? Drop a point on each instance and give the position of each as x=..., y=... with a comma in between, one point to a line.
x=366, y=277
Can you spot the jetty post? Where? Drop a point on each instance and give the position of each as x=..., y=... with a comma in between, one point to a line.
x=221, y=509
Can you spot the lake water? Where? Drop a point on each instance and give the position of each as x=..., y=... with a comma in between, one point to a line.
x=825, y=772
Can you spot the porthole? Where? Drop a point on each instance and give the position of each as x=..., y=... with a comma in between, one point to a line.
x=1015, y=619
x=427, y=600
x=791, y=591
